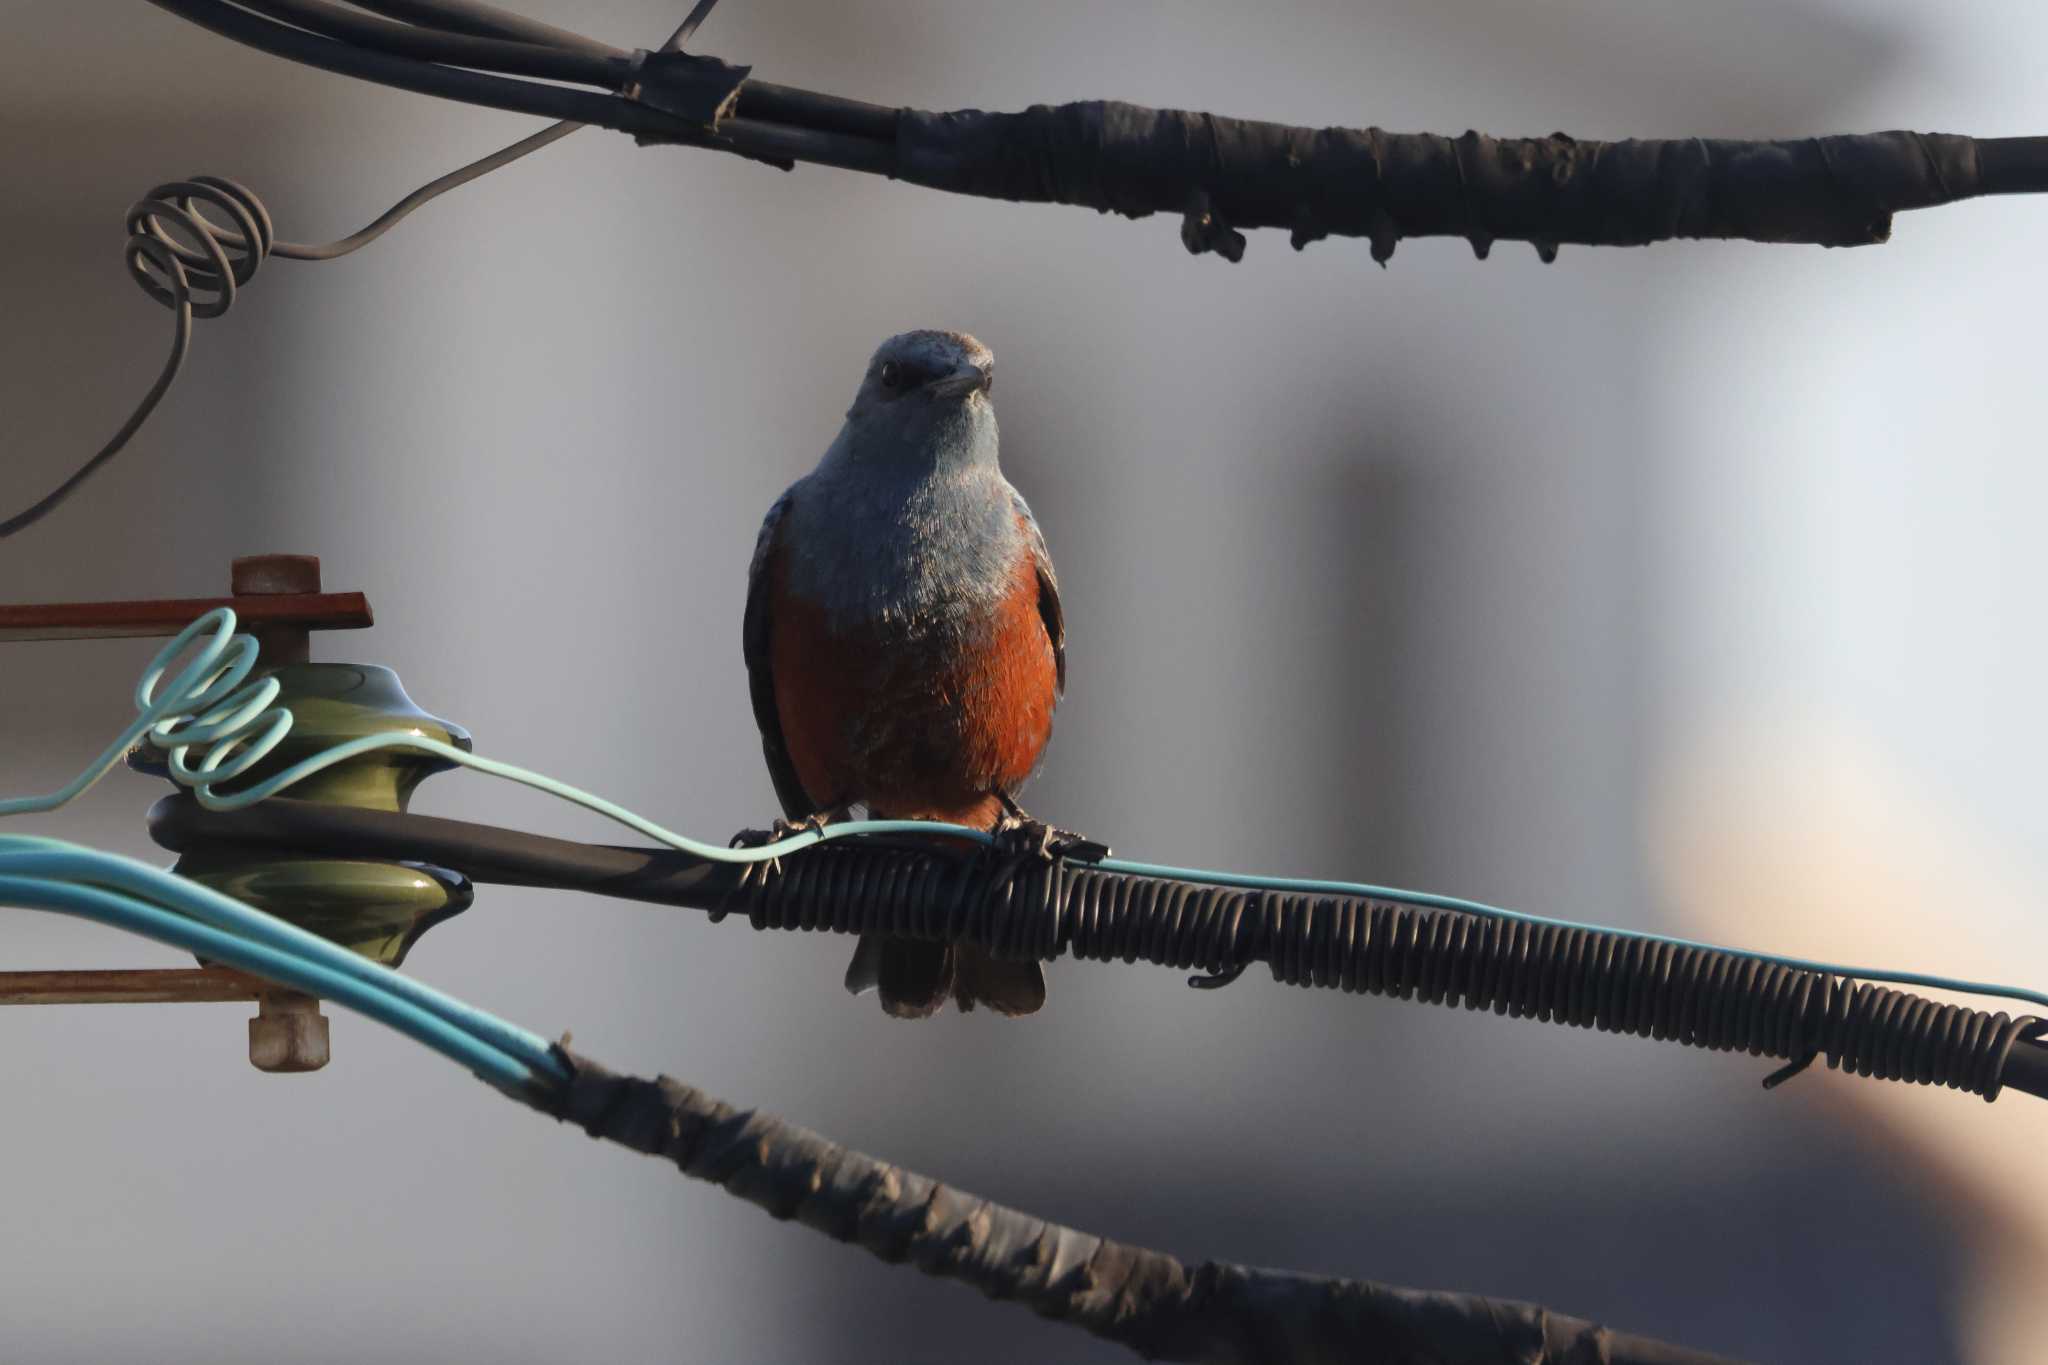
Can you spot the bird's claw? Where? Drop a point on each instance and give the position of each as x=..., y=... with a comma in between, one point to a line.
x=774, y=834
x=1020, y=836
x=780, y=830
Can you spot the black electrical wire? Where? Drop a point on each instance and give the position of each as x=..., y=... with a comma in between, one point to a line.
x=775, y=124
x=488, y=21
x=1026, y=907
x=434, y=45
x=439, y=19
x=1221, y=175
x=1162, y=1308
x=427, y=78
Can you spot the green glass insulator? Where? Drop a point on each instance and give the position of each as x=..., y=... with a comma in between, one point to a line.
x=334, y=703
x=378, y=909
x=374, y=908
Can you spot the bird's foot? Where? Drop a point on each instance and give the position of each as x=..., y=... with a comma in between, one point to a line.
x=1017, y=835
x=782, y=829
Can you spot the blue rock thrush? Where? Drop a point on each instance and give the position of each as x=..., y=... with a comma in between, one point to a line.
x=904, y=642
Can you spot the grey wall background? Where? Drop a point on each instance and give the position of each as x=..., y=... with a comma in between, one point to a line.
x=1440, y=575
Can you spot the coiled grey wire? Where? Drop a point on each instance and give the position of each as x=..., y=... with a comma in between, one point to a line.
x=192, y=264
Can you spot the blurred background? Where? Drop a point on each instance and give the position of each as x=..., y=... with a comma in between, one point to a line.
x=1690, y=587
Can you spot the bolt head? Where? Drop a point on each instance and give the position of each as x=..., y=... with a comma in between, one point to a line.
x=288, y=1034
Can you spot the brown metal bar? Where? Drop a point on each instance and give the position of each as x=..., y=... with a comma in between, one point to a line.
x=168, y=616
x=130, y=986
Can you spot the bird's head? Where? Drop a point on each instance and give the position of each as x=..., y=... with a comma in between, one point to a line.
x=924, y=387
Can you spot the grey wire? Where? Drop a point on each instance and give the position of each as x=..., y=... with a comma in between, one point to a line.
x=486, y=21
x=688, y=27
x=181, y=345
x=168, y=270
x=505, y=156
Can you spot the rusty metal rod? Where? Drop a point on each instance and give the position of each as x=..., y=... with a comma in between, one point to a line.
x=130, y=986
x=168, y=616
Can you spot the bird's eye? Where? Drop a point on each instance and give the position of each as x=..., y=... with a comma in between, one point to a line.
x=892, y=374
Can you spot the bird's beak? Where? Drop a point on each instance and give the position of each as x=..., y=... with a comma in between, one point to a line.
x=959, y=385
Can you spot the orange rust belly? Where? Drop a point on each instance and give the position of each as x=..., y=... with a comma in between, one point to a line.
x=916, y=725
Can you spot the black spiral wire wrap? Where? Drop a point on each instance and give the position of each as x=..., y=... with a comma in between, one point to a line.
x=1022, y=906
x=1583, y=978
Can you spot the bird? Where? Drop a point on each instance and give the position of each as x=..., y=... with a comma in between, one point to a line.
x=905, y=643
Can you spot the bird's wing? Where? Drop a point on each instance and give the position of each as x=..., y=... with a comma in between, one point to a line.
x=789, y=789
x=1048, y=590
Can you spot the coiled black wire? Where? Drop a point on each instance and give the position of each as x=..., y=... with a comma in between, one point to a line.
x=1582, y=978
x=1026, y=907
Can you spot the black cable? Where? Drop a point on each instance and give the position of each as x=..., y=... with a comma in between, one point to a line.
x=1027, y=908
x=470, y=87
x=1217, y=1312
x=486, y=21
x=501, y=857
x=799, y=108
x=1225, y=175
x=763, y=100
x=792, y=125
x=433, y=45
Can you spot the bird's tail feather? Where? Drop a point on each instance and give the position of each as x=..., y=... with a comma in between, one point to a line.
x=914, y=977
x=1003, y=984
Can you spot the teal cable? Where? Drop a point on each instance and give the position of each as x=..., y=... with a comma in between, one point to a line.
x=206, y=686
x=517, y=1075
x=200, y=779
x=54, y=861
x=139, y=917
